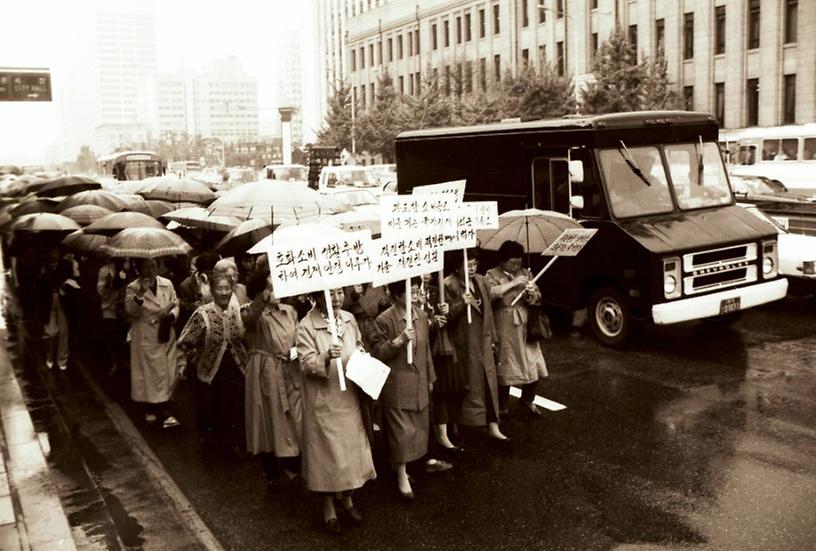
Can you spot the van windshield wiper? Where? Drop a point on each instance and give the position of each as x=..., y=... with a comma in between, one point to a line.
x=632, y=164
x=699, y=161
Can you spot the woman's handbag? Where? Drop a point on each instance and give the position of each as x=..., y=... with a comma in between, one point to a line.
x=538, y=325
x=165, y=325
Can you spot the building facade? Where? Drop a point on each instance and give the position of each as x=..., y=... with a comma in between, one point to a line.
x=290, y=81
x=748, y=62
x=225, y=101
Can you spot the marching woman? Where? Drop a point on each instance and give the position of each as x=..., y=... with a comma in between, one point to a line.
x=273, y=381
x=335, y=448
x=152, y=308
x=406, y=394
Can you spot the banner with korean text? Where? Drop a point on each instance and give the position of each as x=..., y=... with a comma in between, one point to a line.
x=403, y=256
x=454, y=188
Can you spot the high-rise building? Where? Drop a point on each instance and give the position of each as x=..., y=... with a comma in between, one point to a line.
x=763, y=74
x=224, y=102
x=290, y=80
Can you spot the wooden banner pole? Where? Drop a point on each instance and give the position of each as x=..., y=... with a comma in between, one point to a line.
x=333, y=328
x=538, y=275
x=408, y=318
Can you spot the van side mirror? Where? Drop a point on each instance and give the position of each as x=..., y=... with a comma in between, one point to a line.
x=577, y=202
x=576, y=169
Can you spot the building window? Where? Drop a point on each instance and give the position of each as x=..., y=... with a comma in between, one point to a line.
x=402, y=85
x=434, y=44
x=559, y=57
x=688, y=36
x=399, y=46
x=542, y=12
x=594, y=45
x=496, y=20
x=791, y=20
x=418, y=83
x=390, y=49
x=481, y=23
x=719, y=30
x=559, y=9
x=752, y=102
x=789, y=114
x=447, y=33
x=753, y=24
x=371, y=55
x=542, y=56
x=410, y=36
x=411, y=84
x=483, y=74
x=447, y=80
x=593, y=4
x=459, y=81
x=633, y=39
x=416, y=41
x=525, y=17
x=362, y=58
x=688, y=97
x=467, y=27
x=525, y=57
x=353, y=59
x=497, y=68
x=363, y=95
x=458, y=30
x=660, y=36
x=468, y=77
x=379, y=52
x=719, y=103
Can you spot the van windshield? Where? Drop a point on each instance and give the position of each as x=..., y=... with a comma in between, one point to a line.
x=636, y=181
x=697, y=187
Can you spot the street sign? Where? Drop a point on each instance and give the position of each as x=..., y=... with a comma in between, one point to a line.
x=25, y=86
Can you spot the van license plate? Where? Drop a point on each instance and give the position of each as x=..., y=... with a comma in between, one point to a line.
x=729, y=305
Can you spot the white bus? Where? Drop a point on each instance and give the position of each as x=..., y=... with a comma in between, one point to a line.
x=784, y=153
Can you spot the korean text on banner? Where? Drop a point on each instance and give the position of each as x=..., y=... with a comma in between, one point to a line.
x=463, y=236
x=569, y=243
x=417, y=213
x=454, y=188
x=485, y=214
x=329, y=262
x=405, y=256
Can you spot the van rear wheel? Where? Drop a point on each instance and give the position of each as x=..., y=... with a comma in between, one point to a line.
x=610, y=317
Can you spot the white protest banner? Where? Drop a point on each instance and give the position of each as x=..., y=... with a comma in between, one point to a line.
x=321, y=262
x=485, y=214
x=367, y=372
x=410, y=213
x=454, y=188
x=569, y=243
x=463, y=235
x=404, y=256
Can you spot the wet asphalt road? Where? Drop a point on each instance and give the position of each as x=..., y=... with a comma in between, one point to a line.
x=695, y=438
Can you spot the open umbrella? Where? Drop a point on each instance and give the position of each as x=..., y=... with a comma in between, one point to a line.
x=199, y=217
x=169, y=188
x=33, y=205
x=44, y=222
x=98, y=197
x=85, y=242
x=242, y=237
x=294, y=232
x=85, y=214
x=118, y=221
x=68, y=185
x=535, y=229
x=145, y=243
x=276, y=203
x=130, y=187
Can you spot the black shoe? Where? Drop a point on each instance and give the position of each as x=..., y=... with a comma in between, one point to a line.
x=354, y=514
x=531, y=408
x=333, y=526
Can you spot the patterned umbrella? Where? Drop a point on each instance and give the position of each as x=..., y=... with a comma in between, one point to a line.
x=86, y=214
x=199, y=217
x=274, y=202
x=241, y=238
x=145, y=243
x=85, y=242
x=118, y=221
x=169, y=188
x=68, y=185
x=44, y=222
x=98, y=197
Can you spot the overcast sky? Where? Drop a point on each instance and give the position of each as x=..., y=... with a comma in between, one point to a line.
x=34, y=34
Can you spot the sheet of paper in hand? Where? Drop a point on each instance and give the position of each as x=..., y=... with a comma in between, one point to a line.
x=367, y=372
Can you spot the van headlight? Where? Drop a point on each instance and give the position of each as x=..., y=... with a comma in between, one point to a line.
x=770, y=260
x=671, y=278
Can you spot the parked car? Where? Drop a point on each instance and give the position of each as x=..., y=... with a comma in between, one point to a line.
x=796, y=212
x=386, y=173
x=797, y=255
x=353, y=198
x=347, y=175
x=287, y=173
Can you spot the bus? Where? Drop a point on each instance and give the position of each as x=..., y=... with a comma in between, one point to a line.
x=783, y=153
x=131, y=165
x=671, y=244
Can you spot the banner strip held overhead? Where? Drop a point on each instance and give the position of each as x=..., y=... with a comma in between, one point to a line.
x=454, y=188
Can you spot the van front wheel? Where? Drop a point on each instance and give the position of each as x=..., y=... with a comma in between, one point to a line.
x=610, y=316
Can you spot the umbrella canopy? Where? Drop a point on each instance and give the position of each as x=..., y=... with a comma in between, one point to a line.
x=152, y=207
x=274, y=202
x=294, y=232
x=169, y=188
x=118, y=221
x=68, y=185
x=145, y=243
x=535, y=229
x=355, y=220
x=85, y=214
x=26, y=183
x=44, y=222
x=242, y=237
x=199, y=217
x=33, y=205
x=130, y=187
x=85, y=242
x=98, y=197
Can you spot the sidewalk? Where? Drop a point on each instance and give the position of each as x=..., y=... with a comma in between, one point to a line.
x=31, y=515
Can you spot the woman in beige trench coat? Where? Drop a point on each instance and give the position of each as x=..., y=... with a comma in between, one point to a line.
x=335, y=450
x=150, y=302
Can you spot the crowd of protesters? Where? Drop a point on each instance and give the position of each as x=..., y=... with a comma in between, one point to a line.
x=263, y=371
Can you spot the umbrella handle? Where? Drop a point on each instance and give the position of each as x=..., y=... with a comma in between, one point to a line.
x=538, y=275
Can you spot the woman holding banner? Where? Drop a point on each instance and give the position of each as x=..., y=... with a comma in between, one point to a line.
x=406, y=394
x=474, y=344
x=518, y=359
x=336, y=452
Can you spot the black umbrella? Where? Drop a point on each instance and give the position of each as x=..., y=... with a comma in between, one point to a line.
x=244, y=236
x=68, y=185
